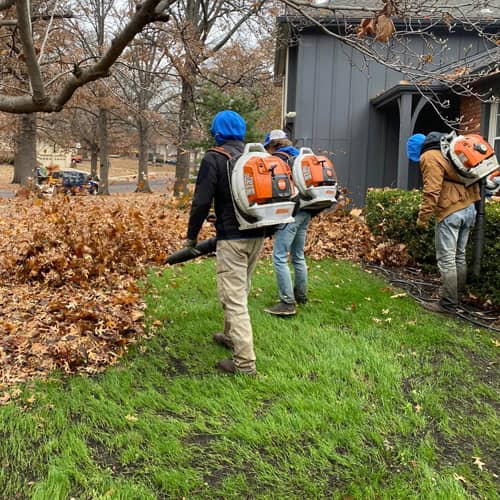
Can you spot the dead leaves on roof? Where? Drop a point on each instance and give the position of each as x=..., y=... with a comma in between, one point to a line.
x=380, y=26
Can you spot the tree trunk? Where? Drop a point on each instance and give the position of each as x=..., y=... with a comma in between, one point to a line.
x=25, y=159
x=186, y=115
x=103, y=152
x=94, y=152
x=142, y=174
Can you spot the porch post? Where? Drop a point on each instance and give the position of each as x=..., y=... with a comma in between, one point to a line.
x=405, y=130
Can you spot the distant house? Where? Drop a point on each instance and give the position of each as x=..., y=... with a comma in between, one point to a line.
x=361, y=112
x=50, y=154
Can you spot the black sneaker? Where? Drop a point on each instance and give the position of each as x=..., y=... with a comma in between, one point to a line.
x=281, y=309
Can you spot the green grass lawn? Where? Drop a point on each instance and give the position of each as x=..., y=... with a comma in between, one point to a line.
x=361, y=395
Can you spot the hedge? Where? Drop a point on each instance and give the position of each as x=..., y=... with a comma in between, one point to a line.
x=392, y=214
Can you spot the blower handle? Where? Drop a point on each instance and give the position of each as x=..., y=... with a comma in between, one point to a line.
x=306, y=151
x=255, y=147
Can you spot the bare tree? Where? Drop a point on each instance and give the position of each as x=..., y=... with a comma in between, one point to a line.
x=48, y=93
x=145, y=85
x=199, y=29
x=40, y=75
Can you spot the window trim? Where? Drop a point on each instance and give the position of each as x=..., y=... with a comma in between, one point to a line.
x=493, y=134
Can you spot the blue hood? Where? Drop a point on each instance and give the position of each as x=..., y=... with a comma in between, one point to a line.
x=289, y=150
x=414, y=146
x=228, y=125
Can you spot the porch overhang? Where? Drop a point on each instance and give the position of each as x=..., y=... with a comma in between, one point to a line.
x=409, y=100
x=394, y=94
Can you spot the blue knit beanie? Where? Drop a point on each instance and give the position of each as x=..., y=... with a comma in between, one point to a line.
x=414, y=146
x=228, y=125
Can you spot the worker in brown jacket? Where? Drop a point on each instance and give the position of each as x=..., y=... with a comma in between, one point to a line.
x=453, y=205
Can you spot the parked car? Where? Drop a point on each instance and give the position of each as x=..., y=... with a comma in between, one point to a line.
x=72, y=181
x=76, y=159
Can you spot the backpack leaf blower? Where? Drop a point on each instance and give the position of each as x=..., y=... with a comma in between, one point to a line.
x=316, y=180
x=262, y=188
x=471, y=155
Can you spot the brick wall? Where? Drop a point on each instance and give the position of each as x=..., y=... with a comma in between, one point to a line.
x=470, y=109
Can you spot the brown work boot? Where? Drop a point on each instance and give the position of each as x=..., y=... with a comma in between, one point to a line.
x=437, y=308
x=223, y=340
x=228, y=366
x=281, y=309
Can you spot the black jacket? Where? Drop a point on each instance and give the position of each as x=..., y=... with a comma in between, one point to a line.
x=212, y=184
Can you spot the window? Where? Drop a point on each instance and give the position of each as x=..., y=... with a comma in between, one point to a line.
x=494, y=132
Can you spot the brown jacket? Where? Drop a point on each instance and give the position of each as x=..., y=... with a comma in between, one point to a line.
x=442, y=196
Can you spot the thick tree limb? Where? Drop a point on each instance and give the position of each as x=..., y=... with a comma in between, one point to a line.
x=147, y=12
x=35, y=75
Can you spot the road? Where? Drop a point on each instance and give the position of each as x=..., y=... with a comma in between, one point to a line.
x=157, y=185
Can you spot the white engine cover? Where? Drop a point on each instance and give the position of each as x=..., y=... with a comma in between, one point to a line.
x=314, y=196
x=268, y=214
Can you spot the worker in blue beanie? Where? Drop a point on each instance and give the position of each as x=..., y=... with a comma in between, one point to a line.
x=414, y=147
x=237, y=250
x=228, y=125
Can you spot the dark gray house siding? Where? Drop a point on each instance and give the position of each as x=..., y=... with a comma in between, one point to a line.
x=330, y=87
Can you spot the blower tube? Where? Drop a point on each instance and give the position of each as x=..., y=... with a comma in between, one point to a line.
x=202, y=248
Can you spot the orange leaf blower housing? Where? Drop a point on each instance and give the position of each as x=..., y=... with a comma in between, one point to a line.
x=318, y=171
x=267, y=180
x=315, y=178
x=471, y=154
x=471, y=150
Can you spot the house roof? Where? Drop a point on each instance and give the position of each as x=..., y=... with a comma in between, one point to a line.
x=337, y=15
x=423, y=9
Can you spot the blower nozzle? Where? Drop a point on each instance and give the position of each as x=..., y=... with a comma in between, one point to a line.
x=184, y=254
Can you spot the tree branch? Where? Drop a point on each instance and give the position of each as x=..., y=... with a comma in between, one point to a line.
x=257, y=6
x=35, y=75
x=146, y=13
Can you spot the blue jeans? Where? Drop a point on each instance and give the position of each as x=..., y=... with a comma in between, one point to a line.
x=451, y=236
x=290, y=239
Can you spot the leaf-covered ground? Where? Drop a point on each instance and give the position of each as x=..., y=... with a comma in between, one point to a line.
x=69, y=269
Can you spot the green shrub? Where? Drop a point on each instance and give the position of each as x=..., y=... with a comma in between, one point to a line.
x=392, y=215
x=488, y=284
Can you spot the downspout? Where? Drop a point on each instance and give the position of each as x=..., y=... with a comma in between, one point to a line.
x=478, y=239
x=284, y=95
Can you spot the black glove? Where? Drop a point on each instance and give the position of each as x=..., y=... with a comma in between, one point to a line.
x=191, y=246
x=190, y=243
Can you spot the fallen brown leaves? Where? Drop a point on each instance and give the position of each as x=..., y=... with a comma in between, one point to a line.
x=68, y=271
x=69, y=268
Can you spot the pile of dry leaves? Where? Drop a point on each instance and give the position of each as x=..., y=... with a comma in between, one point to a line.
x=69, y=267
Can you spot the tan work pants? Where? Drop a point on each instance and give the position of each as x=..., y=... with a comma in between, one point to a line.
x=236, y=261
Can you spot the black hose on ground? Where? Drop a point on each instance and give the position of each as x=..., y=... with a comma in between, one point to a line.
x=414, y=288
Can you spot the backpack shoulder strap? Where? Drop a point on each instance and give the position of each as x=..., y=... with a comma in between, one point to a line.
x=282, y=155
x=222, y=151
